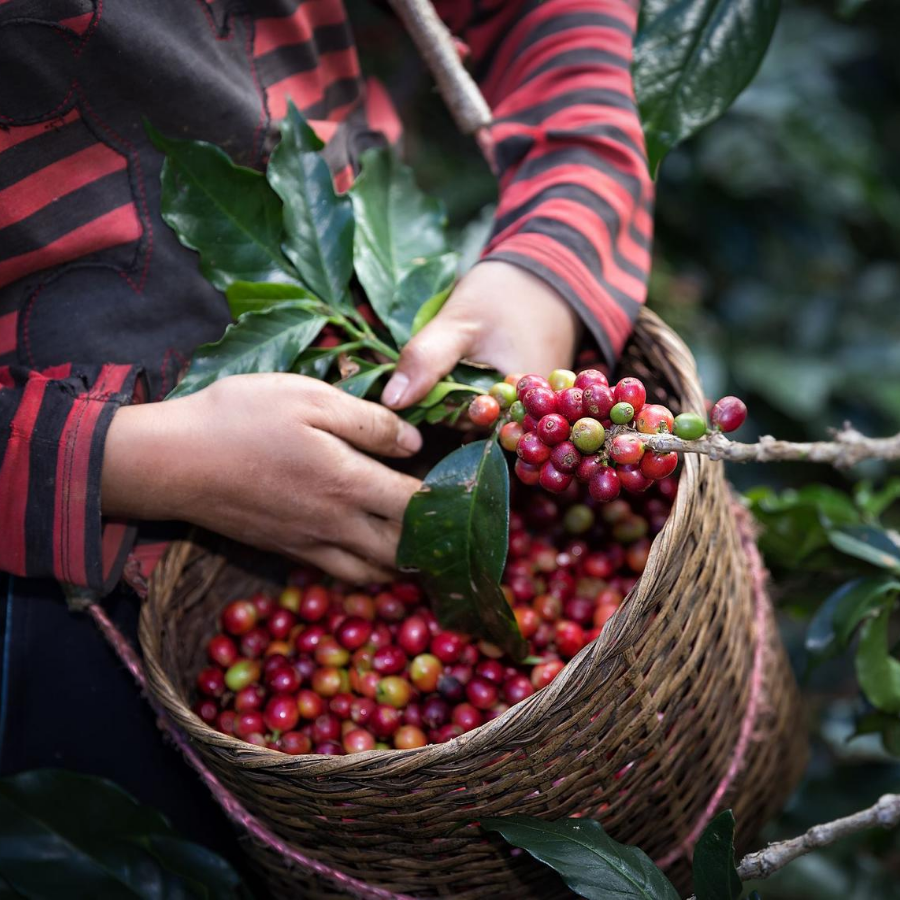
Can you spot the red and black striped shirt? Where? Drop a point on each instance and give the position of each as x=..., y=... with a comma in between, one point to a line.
x=99, y=303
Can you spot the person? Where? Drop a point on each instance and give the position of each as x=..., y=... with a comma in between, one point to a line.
x=100, y=307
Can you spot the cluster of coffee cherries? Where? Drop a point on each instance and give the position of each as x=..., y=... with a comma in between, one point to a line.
x=569, y=426
x=326, y=668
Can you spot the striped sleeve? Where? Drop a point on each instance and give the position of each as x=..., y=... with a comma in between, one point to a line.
x=53, y=426
x=576, y=196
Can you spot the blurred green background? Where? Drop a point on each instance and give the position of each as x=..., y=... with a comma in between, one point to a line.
x=776, y=258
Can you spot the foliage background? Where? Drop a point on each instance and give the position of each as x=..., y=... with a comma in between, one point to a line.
x=776, y=258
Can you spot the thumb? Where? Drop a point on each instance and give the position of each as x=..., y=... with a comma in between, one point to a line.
x=427, y=358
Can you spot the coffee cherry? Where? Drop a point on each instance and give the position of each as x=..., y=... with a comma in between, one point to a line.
x=529, y=424
x=445, y=733
x=689, y=426
x=425, y=671
x=435, y=712
x=226, y=720
x=407, y=737
x=265, y=605
x=548, y=607
x=280, y=623
x=532, y=450
x=553, y=429
x=597, y=401
x=309, y=704
x=284, y=680
x=510, y=435
x=254, y=643
x=588, y=435
x=517, y=688
x=326, y=727
x=314, y=604
x=589, y=377
x=659, y=465
x=385, y=721
x=249, y=723
x=569, y=637
x=362, y=709
x=481, y=693
x=527, y=620
x=629, y=529
x=328, y=748
x=570, y=403
x=621, y=413
x=540, y=402
x=551, y=479
x=631, y=390
x=492, y=670
x=579, y=609
x=354, y=632
x=636, y=555
x=527, y=473
x=447, y=646
x=239, y=617
x=528, y=382
x=578, y=519
x=513, y=378
x=359, y=605
x=543, y=673
x=250, y=698
x=358, y=741
x=289, y=599
x=728, y=414
x=242, y=673
x=517, y=412
x=330, y=680
x=307, y=640
x=393, y=691
x=222, y=650
x=466, y=716
x=413, y=636
x=281, y=713
x=207, y=710
x=605, y=484
x=626, y=449
x=655, y=419
x=565, y=458
x=560, y=379
x=588, y=467
x=633, y=479
x=504, y=394
x=330, y=653
x=389, y=660
x=484, y=410
x=295, y=743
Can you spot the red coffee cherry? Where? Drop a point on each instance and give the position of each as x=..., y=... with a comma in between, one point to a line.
x=626, y=449
x=540, y=402
x=631, y=390
x=553, y=429
x=605, y=484
x=551, y=479
x=484, y=410
x=655, y=419
x=597, y=401
x=728, y=414
x=659, y=465
x=532, y=449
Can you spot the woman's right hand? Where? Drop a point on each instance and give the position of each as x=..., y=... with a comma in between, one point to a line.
x=272, y=460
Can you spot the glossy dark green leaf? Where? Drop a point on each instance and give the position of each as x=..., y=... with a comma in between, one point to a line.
x=420, y=285
x=397, y=229
x=715, y=875
x=877, y=671
x=227, y=213
x=318, y=222
x=315, y=362
x=64, y=835
x=873, y=545
x=429, y=309
x=832, y=627
x=268, y=341
x=455, y=535
x=591, y=863
x=691, y=60
x=253, y=296
x=359, y=384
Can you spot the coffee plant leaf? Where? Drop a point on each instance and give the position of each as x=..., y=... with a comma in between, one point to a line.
x=253, y=296
x=715, y=875
x=590, y=862
x=877, y=671
x=429, y=309
x=877, y=546
x=425, y=281
x=360, y=383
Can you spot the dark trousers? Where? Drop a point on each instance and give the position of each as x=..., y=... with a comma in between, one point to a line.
x=66, y=702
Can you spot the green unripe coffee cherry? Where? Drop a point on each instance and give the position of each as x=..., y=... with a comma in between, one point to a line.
x=689, y=426
x=560, y=379
x=588, y=435
x=241, y=674
x=578, y=519
x=517, y=411
x=622, y=413
x=504, y=394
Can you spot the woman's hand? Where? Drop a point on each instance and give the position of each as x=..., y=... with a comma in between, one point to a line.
x=498, y=314
x=270, y=460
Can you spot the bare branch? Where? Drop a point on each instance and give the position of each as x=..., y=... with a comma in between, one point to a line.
x=848, y=448
x=884, y=814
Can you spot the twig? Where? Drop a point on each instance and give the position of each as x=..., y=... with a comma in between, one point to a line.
x=432, y=39
x=848, y=448
x=884, y=814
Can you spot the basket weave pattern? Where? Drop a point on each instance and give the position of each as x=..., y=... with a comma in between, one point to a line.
x=638, y=730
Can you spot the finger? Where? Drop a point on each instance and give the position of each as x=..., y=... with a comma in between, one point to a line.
x=384, y=492
x=367, y=426
x=371, y=538
x=344, y=565
x=427, y=358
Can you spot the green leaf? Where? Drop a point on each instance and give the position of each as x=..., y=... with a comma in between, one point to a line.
x=715, y=875
x=873, y=545
x=455, y=533
x=832, y=627
x=874, y=503
x=877, y=671
x=227, y=213
x=397, y=229
x=429, y=309
x=691, y=60
x=421, y=284
x=64, y=835
x=317, y=221
x=253, y=296
x=443, y=389
x=591, y=863
x=886, y=725
x=268, y=341
x=359, y=384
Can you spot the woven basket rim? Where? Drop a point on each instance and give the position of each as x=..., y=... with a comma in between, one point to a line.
x=617, y=637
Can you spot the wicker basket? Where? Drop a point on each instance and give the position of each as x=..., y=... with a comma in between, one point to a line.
x=684, y=705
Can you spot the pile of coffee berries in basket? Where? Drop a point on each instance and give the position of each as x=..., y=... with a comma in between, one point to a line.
x=569, y=426
x=332, y=669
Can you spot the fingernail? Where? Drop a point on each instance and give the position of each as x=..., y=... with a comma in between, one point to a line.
x=395, y=389
x=408, y=438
